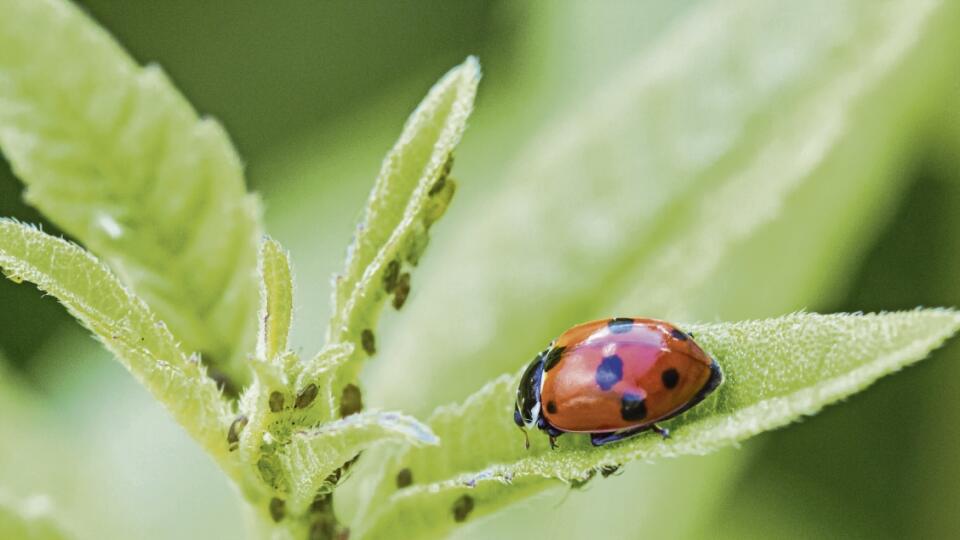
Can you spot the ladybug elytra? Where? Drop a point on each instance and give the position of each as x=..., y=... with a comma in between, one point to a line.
x=614, y=378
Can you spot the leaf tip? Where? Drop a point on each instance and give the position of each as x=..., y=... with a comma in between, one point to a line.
x=950, y=317
x=471, y=68
x=464, y=79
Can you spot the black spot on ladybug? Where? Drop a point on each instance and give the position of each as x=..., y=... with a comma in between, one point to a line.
x=390, y=275
x=306, y=396
x=670, y=378
x=462, y=508
x=351, y=400
x=551, y=407
x=402, y=290
x=276, y=401
x=233, y=434
x=404, y=478
x=278, y=509
x=620, y=325
x=678, y=334
x=368, y=342
x=632, y=407
x=553, y=358
x=609, y=372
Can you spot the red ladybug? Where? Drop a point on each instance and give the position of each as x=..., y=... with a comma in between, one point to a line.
x=614, y=378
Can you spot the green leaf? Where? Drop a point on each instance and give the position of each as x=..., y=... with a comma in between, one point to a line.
x=113, y=154
x=629, y=205
x=708, y=226
x=803, y=257
x=412, y=191
x=30, y=519
x=276, y=300
x=776, y=371
x=124, y=324
x=266, y=402
x=311, y=458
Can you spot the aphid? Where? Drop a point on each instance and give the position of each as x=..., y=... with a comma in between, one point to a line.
x=401, y=290
x=368, y=342
x=233, y=434
x=278, y=509
x=437, y=186
x=351, y=400
x=322, y=502
x=462, y=508
x=613, y=379
x=390, y=275
x=276, y=401
x=404, y=478
x=306, y=396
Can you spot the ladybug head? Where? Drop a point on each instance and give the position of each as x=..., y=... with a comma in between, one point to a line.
x=527, y=412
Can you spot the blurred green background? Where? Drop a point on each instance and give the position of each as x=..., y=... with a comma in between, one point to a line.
x=314, y=93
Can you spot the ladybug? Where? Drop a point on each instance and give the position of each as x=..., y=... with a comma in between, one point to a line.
x=614, y=378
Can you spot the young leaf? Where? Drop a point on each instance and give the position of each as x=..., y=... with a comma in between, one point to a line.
x=124, y=324
x=30, y=519
x=286, y=395
x=276, y=300
x=263, y=401
x=776, y=371
x=410, y=194
x=113, y=154
x=312, y=458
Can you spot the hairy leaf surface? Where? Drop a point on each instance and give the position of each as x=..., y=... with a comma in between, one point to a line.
x=124, y=324
x=115, y=156
x=776, y=371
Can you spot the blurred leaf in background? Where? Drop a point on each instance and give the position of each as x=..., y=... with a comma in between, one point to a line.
x=575, y=132
x=883, y=465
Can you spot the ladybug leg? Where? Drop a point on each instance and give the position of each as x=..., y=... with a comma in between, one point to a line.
x=600, y=439
x=663, y=432
x=553, y=433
